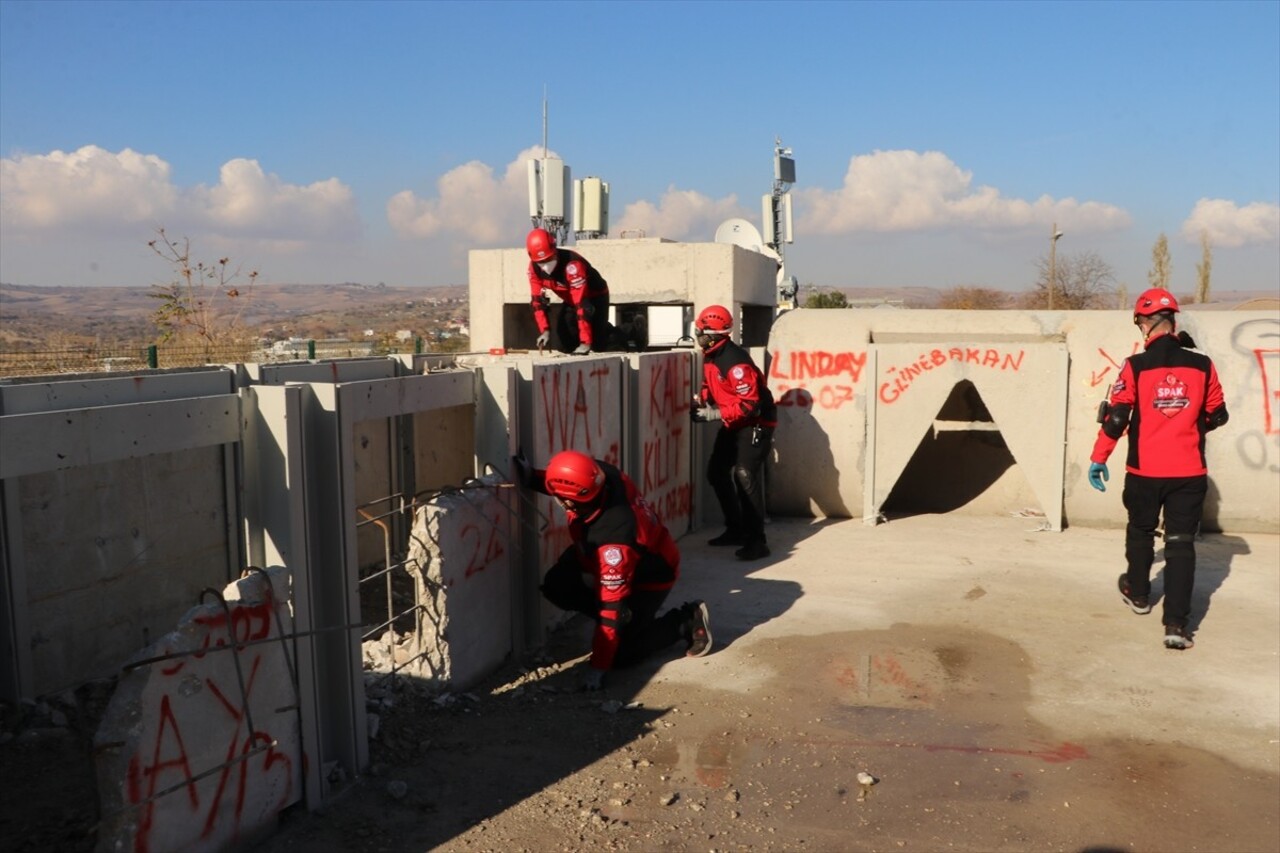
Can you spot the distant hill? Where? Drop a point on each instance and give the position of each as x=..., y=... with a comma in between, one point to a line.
x=30, y=315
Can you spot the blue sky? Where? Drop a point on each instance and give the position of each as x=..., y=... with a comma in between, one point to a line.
x=936, y=144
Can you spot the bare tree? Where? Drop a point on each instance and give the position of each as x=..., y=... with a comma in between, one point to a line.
x=1122, y=296
x=973, y=298
x=202, y=306
x=1158, y=275
x=1085, y=280
x=1203, y=268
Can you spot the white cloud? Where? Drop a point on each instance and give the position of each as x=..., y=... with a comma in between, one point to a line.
x=678, y=214
x=1230, y=226
x=248, y=202
x=471, y=201
x=96, y=192
x=914, y=191
x=90, y=186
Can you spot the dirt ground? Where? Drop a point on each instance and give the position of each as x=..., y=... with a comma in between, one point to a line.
x=925, y=652
x=759, y=746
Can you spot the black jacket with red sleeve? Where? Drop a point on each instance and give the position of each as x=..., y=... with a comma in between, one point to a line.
x=611, y=542
x=731, y=380
x=574, y=293
x=1170, y=397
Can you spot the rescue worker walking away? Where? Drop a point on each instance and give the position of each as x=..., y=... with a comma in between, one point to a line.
x=1167, y=398
x=582, y=324
x=735, y=393
x=620, y=567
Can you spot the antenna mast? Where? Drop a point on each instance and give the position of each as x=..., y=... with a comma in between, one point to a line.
x=550, y=185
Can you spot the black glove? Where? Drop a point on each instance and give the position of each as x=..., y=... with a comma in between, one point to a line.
x=521, y=469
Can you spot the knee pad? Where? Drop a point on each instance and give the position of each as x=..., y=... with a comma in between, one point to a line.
x=745, y=479
x=1180, y=541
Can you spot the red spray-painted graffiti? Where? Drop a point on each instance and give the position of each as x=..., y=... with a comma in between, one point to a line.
x=666, y=381
x=1269, y=368
x=901, y=380
x=1097, y=377
x=482, y=544
x=166, y=761
x=572, y=406
x=803, y=378
x=574, y=411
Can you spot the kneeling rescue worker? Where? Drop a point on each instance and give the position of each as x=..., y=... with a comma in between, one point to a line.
x=620, y=567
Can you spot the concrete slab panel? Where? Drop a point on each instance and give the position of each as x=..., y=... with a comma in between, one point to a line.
x=661, y=463
x=199, y=748
x=1022, y=384
x=462, y=550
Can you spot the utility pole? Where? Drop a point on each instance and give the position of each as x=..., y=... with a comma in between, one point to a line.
x=777, y=216
x=1055, y=235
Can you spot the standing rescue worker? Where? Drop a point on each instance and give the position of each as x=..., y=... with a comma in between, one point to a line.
x=1167, y=398
x=734, y=392
x=583, y=320
x=620, y=567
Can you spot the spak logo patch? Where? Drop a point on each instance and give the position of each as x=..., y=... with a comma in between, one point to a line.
x=738, y=376
x=610, y=576
x=1170, y=396
x=575, y=274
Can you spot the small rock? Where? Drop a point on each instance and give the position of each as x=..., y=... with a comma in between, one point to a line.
x=397, y=789
x=668, y=799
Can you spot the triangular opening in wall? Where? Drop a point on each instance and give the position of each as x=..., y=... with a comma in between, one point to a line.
x=958, y=462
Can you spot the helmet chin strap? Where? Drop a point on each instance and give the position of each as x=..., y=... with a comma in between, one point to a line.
x=1148, y=331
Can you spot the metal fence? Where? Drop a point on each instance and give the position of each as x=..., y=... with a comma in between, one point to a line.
x=123, y=357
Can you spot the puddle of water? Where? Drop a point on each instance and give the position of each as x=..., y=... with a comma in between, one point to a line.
x=940, y=716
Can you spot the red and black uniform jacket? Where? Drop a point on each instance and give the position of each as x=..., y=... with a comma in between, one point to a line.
x=1169, y=397
x=731, y=380
x=613, y=542
x=574, y=295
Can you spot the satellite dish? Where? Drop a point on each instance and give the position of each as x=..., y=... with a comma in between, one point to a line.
x=740, y=232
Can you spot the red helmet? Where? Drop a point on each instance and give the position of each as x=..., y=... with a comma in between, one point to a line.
x=715, y=319
x=1156, y=300
x=711, y=329
x=574, y=476
x=540, y=245
x=575, y=273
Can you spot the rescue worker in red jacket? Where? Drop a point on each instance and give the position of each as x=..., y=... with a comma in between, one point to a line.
x=1167, y=398
x=735, y=393
x=620, y=567
x=582, y=324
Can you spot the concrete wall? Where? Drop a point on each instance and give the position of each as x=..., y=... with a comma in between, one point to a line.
x=645, y=270
x=119, y=507
x=836, y=373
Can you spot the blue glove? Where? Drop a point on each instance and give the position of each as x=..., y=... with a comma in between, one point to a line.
x=1098, y=475
x=592, y=679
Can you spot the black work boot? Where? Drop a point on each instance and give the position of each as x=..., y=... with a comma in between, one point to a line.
x=752, y=551
x=729, y=537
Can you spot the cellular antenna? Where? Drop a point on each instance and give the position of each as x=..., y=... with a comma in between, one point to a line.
x=550, y=187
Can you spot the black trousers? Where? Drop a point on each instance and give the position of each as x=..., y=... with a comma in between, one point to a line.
x=645, y=632
x=735, y=472
x=603, y=335
x=1182, y=500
